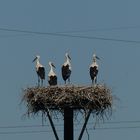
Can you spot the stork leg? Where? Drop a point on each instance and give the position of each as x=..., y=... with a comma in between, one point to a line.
x=92, y=81
x=95, y=80
x=69, y=80
x=42, y=82
x=38, y=81
x=65, y=82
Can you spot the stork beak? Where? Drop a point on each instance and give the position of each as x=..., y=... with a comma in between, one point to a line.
x=97, y=58
x=69, y=57
x=53, y=65
x=34, y=59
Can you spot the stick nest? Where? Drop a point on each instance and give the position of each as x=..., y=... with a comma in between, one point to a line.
x=97, y=98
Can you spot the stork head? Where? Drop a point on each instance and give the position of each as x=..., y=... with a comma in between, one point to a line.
x=36, y=58
x=51, y=64
x=67, y=56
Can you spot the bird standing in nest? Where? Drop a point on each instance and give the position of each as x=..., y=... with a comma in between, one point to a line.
x=40, y=70
x=52, y=78
x=94, y=69
x=66, y=69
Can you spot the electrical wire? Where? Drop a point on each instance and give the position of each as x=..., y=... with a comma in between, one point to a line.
x=70, y=36
x=101, y=29
x=90, y=123
x=24, y=132
x=22, y=126
x=112, y=128
x=60, y=130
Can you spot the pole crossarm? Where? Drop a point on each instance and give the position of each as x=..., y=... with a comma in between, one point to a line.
x=52, y=124
x=85, y=124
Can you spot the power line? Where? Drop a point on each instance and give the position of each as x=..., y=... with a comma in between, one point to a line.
x=70, y=36
x=121, y=127
x=119, y=122
x=25, y=132
x=22, y=126
x=26, y=126
x=90, y=123
x=47, y=131
x=101, y=29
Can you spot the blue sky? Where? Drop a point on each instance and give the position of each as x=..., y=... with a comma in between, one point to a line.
x=119, y=66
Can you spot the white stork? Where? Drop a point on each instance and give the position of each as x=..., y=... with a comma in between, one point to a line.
x=66, y=69
x=52, y=78
x=40, y=70
x=94, y=69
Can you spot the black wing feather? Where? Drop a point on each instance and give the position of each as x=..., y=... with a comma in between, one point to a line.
x=93, y=72
x=66, y=72
x=41, y=72
x=52, y=80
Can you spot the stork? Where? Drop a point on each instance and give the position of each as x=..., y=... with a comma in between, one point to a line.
x=40, y=70
x=94, y=69
x=66, y=68
x=52, y=78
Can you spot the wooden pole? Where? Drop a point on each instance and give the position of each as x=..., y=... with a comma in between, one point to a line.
x=68, y=124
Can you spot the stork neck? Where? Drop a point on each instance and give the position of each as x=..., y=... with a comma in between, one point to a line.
x=37, y=62
x=94, y=59
x=67, y=60
x=51, y=69
x=94, y=63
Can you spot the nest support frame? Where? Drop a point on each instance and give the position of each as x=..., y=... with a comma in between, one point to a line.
x=96, y=99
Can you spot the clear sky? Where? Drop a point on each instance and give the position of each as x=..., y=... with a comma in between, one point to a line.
x=118, y=21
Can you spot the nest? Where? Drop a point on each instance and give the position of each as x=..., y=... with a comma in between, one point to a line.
x=97, y=98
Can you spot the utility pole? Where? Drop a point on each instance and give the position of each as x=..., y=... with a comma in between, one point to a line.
x=68, y=124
